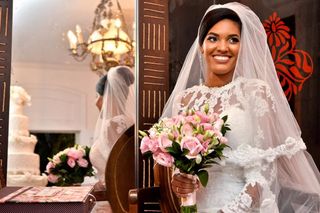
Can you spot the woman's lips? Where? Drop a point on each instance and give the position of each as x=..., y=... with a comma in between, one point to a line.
x=221, y=58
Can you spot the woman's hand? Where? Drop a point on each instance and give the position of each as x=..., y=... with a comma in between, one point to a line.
x=183, y=184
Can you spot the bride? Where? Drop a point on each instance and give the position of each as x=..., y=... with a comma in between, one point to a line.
x=267, y=168
x=116, y=105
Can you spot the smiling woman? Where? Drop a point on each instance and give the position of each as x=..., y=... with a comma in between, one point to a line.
x=220, y=49
x=268, y=158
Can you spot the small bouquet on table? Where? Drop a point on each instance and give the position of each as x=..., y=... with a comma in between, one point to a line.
x=190, y=142
x=70, y=166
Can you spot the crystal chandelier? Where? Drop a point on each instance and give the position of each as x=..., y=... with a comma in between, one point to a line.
x=109, y=43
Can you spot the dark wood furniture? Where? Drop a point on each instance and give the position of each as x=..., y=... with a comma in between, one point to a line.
x=120, y=172
x=153, y=92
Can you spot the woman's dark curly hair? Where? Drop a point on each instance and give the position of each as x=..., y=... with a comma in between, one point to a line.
x=123, y=71
x=213, y=17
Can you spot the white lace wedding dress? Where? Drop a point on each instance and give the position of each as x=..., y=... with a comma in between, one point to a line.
x=112, y=129
x=251, y=159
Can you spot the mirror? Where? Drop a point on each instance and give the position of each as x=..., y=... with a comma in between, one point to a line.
x=62, y=90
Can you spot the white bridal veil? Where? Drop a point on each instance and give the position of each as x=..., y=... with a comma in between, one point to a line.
x=296, y=183
x=116, y=115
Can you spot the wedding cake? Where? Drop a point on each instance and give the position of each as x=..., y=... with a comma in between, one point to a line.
x=23, y=163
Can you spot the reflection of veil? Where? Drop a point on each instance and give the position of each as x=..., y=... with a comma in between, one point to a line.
x=296, y=184
x=116, y=115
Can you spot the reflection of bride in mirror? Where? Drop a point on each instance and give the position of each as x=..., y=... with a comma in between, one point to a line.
x=116, y=105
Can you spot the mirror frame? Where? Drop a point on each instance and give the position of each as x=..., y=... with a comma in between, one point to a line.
x=152, y=89
x=6, y=8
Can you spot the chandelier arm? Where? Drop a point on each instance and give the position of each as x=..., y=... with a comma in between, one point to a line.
x=122, y=17
x=79, y=58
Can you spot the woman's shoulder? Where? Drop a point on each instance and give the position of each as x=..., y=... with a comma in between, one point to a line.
x=253, y=83
x=254, y=86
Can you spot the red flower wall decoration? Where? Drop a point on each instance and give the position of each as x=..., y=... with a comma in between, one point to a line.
x=293, y=66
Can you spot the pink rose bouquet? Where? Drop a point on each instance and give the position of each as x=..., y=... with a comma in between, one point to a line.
x=69, y=166
x=191, y=142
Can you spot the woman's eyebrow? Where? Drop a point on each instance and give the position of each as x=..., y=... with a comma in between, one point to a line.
x=216, y=34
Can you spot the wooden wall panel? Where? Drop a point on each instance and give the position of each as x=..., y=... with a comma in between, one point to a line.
x=5, y=70
x=153, y=66
x=153, y=86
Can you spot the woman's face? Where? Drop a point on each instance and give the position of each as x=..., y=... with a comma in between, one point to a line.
x=99, y=102
x=220, y=50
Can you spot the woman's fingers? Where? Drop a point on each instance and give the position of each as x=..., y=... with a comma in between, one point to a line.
x=183, y=180
x=182, y=185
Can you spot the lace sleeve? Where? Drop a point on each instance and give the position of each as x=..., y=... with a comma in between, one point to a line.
x=256, y=192
x=258, y=156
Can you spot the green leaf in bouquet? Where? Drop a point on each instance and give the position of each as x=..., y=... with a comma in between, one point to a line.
x=147, y=154
x=191, y=166
x=224, y=129
x=185, y=152
x=176, y=147
x=214, y=142
x=203, y=177
x=210, y=161
x=63, y=158
x=181, y=165
x=225, y=118
x=63, y=171
x=206, y=108
x=87, y=150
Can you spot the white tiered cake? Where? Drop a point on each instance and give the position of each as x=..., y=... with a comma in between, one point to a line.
x=23, y=163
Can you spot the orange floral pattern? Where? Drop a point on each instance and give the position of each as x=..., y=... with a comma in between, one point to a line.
x=293, y=66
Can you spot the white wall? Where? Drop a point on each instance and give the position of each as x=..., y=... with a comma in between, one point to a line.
x=63, y=98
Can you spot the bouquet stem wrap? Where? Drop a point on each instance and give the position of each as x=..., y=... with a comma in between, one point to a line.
x=188, y=204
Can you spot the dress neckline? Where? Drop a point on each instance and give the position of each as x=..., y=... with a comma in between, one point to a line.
x=224, y=87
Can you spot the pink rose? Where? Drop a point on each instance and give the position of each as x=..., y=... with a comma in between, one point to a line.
x=164, y=142
x=49, y=166
x=56, y=159
x=152, y=133
x=203, y=117
x=187, y=129
x=53, y=178
x=75, y=153
x=82, y=162
x=218, y=124
x=190, y=119
x=168, y=122
x=213, y=117
x=207, y=126
x=206, y=146
x=200, y=137
x=223, y=140
x=193, y=145
x=148, y=144
x=163, y=158
x=175, y=133
x=71, y=162
x=179, y=118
